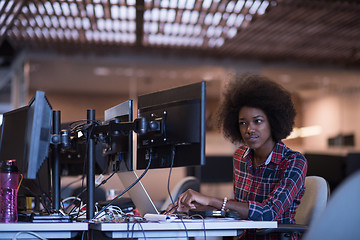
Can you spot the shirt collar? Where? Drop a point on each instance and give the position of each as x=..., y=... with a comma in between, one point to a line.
x=268, y=160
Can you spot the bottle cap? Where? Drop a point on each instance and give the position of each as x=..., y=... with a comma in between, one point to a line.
x=9, y=166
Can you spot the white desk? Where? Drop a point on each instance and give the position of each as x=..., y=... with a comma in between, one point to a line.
x=176, y=229
x=45, y=230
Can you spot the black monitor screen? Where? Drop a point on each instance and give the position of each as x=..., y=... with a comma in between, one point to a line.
x=13, y=137
x=180, y=138
x=26, y=135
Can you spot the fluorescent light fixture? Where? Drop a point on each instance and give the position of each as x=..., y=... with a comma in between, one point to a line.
x=99, y=11
x=89, y=10
x=255, y=7
x=239, y=20
x=173, y=3
x=171, y=15
x=186, y=16
x=207, y=4
x=208, y=19
x=190, y=4
x=114, y=11
x=41, y=9
x=86, y=23
x=263, y=7
x=305, y=132
x=57, y=8
x=65, y=8
x=231, y=20
x=194, y=17
x=123, y=12
x=101, y=71
x=163, y=15
x=239, y=6
x=70, y=22
x=216, y=18
x=210, y=32
x=62, y=22
x=73, y=9
x=48, y=8
x=181, y=4
x=132, y=13
x=248, y=3
x=155, y=14
x=32, y=8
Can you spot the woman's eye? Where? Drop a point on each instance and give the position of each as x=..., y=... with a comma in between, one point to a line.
x=242, y=123
x=258, y=120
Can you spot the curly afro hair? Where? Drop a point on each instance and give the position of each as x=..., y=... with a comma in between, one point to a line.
x=258, y=92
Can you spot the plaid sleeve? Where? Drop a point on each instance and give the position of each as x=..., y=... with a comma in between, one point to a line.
x=287, y=191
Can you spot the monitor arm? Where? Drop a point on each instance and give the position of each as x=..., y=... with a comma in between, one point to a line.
x=140, y=126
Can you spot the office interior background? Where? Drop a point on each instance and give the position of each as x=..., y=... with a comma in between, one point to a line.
x=95, y=54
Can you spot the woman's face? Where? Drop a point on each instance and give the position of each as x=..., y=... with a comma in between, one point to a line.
x=255, y=129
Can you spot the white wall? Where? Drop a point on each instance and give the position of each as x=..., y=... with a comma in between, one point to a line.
x=336, y=113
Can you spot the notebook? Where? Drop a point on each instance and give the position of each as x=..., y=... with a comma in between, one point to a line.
x=138, y=193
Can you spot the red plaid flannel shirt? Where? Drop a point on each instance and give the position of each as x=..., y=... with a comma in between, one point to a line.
x=272, y=190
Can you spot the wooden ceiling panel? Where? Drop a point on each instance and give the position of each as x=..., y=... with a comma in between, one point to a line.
x=307, y=31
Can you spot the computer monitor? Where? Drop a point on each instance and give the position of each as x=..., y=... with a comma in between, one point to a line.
x=26, y=135
x=179, y=138
x=119, y=146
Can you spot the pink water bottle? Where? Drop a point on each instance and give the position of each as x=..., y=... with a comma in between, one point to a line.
x=9, y=181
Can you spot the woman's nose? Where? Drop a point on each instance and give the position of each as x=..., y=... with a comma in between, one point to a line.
x=250, y=129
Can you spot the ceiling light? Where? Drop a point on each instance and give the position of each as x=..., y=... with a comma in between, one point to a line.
x=207, y=4
x=99, y=11
x=65, y=8
x=74, y=10
x=89, y=10
x=86, y=23
x=155, y=14
x=181, y=4
x=231, y=20
x=101, y=71
x=186, y=17
x=57, y=8
x=254, y=7
x=190, y=4
x=239, y=5
x=217, y=18
x=230, y=6
x=239, y=20
x=208, y=19
x=32, y=8
x=48, y=8
x=263, y=7
x=132, y=13
x=248, y=4
x=163, y=15
x=114, y=11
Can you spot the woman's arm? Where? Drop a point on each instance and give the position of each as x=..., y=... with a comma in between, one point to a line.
x=192, y=200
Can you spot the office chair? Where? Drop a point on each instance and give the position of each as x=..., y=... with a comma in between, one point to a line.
x=341, y=217
x=186, y=183
x=313, y=202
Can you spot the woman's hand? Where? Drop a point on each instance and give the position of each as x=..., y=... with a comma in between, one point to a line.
x=191, y=200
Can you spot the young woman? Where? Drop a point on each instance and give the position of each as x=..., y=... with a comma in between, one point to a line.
x=268, y=176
